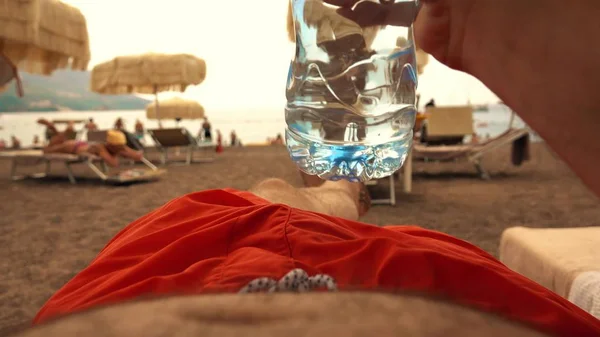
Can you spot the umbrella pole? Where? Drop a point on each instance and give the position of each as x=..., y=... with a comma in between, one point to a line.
x=157, y=106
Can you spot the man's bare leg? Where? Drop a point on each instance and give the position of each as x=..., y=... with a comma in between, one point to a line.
x=336, y=198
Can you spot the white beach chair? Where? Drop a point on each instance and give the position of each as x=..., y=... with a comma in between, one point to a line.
x=458, y=122
x=177, y=138
x=406, y=172
x=95, y=164
x=447, y=125
x=564, y=260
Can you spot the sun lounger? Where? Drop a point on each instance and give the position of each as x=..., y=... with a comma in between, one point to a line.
x=96, y=136
x=180, y=137
x=95, y=164
x=470, y=152
x=391, y=199
x=406, y=183
x=564, y=260
x=447, y=125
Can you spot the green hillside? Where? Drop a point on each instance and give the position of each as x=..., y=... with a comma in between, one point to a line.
x=64, y=90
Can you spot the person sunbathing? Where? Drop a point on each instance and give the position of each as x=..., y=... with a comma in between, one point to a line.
x=52, y=131
x=114, y=147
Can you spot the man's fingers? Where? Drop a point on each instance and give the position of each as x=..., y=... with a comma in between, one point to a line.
x=432, y=29
x=440, y=30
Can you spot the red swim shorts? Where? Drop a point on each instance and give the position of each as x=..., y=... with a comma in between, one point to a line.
x=219, y=240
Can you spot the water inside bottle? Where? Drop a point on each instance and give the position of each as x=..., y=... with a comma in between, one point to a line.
x=351, y=97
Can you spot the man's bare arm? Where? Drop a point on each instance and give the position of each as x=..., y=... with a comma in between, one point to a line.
x=538, y=56
x=108, y=158
x=131, y=153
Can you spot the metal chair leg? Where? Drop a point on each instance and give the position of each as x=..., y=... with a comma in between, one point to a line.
x=13, y=170
x=163, y=157
x=190, y=154
x=481, y=171
x=96, y=170
x=407, y=173
x=149, y=164
x=70, y=174
x=392, y=190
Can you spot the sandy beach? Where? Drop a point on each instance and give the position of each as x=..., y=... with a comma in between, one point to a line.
x=50, y=230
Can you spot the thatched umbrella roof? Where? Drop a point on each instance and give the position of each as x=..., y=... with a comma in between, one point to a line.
x=328, y=21
x=148, y=74
x=176, y=108
x=40, y=36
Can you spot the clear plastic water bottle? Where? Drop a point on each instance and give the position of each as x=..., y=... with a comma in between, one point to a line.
x=351, y=87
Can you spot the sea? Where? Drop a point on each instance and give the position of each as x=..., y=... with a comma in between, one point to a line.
x=251, y=128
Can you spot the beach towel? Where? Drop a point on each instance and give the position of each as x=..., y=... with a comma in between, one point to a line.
x=585, y=292
x=222, y=240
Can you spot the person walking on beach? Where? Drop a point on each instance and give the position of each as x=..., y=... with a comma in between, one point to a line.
x=15, y=143
x=234, y=141
x=278, y=140
x=395, y=280
x=206, y=133
x=219, y=147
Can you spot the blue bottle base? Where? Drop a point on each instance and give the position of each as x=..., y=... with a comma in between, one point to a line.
x=353, y=162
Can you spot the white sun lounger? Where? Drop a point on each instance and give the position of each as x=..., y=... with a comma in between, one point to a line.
x=564, y=260
x=406, y=183
x=470, y=152
x=180, y=137
x=95, y=164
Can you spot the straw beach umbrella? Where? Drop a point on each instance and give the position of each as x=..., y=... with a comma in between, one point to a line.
x=148, y=74
x=41, y=36
x=176, y=108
